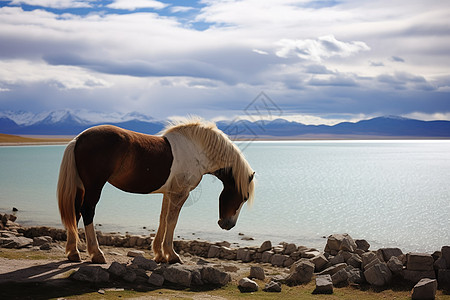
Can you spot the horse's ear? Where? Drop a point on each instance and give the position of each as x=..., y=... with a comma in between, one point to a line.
x=251, y=177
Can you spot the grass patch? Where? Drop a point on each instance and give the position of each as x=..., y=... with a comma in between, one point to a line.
x=28, y=254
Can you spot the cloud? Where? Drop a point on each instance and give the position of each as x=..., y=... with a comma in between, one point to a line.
x=58, y=4
x=397, y=59
x=319, y=49
x=181, y=9
x=136, y=4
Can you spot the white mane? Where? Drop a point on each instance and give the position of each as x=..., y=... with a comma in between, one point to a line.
x=218, y=148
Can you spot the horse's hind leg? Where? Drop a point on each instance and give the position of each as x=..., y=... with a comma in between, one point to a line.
x=72, y=237
x=87, y=211
x=156, y=244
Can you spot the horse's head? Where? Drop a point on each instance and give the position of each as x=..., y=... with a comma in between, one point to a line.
x=232, y=198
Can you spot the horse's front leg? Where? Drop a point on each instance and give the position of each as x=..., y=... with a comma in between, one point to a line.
x=175, y=204
x=157, y=241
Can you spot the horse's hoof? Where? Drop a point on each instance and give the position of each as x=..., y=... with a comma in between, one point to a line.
x=75, y=257
x=98, y=259
x=159, y=259
x=175, y=260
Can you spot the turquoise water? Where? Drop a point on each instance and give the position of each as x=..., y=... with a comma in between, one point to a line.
x=392, y=193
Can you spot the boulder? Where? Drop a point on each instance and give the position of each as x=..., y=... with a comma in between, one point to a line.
x=440, y=263
x=213, y=251
x=319, y=262
x=278, y=260
x=378, y=274
x=257, y=272
x=144, y=263
x=348, y=244
x=267, y=256
x=135, y=253
x=355, y=276
x=367, y=258
x=117, y=269
x=155, y=279
x=46, y=246
x=340, y=277
x=246, y=285
x=425, y=289
x=272, y=287
x=337, y=259
x=130, y=275
x=334, y=242
x=265, y=246
x=310, y=254
x=419, y=262
x=324, y=285
x=416, y=276
x=215, y=276
x=93, y=274
x=290, y=248
x=446, y=255
x=333, y=269
x=395, y=265
x=363, y=245
x=177, y=274
x=444, y=280
x=301, y=272
x=244, y=255
x=41, y=240
x=387, y=253
x=15, y=242
x=354, y=261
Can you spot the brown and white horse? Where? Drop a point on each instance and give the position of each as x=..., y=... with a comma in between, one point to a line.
x=172, y=164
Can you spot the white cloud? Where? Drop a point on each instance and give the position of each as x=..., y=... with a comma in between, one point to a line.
x=181, y=9
x=59, y=4
x=320, y=48
x=136, y=4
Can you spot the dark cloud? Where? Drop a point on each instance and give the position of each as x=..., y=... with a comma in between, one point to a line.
x=397, y=59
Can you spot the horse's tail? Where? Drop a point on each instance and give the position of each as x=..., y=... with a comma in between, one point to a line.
x=68, y=183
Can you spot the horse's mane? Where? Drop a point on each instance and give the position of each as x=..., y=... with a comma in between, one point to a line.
x=218, y=147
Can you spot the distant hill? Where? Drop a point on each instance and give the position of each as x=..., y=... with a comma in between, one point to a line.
x=68, y=122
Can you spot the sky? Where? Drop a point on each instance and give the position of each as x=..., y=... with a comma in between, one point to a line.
x=316, y=62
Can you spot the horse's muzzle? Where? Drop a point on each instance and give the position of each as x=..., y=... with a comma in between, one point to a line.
x=227, y=223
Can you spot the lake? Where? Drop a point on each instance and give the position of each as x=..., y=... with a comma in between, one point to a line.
x=393, y=193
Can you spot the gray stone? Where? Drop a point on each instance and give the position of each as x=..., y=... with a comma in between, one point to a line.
x=135, y=253
x=15, y=242
x=257, y=272
x=319, y=262
x=177, y=274
x=334, y=242
x=348, y=244
x=94, y=274
x=425, y=289
x=144, y=263
x=290, y=248
x=337, y=259
x=387, y=253
x=333, y=269
x=243, y=254
x=416, y=276
x=355, y=261
x=355, y=276
x=445, y=250
x=300, y=272
x=363, y=245
x=395, y=265
x=267, y=256
x=45, y=246
x=419, y=262
x=117, y=269
x=278, y=260
x=196, y=276
x=367, y=258
x=265, y=246
x=215, y=276
x=378, y=274
x=272, y=287
x=310, y=254
x=440, y=263
x=213, y=251
x=130, y=275
x=340, y=277
x=155, y=279
x=246, y=285
x=444, y=279
x=324, y=285
x=41, y=240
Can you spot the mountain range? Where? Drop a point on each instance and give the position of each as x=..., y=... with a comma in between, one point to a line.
x=70, y=123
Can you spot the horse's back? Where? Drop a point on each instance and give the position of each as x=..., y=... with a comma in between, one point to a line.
x=131, y=161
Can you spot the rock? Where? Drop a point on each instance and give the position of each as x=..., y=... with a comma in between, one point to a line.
x=355, y=261
x=440, y=263
x=144, y=263
x=333, y=269
x=135, y=253
x=387, y=253
x=278, y=260
x=45, y=246
x=93, y=274
x=378, y=274
x=336, y=242
x=416, y=276
x=324, y=285
x=177, y=274
x=395, y=265
x=445, y=250
x=117, y=269
x=419, y=262
x=267, y=256
x=213, y=251
x=367, y=258
x=338, y=259
x=319, y=262
x=155, y=279
x=348, y=244
x=247, y=238
x=14, y=209
x=130, y=275
x=301, y=272
x=272, y=287
x=288, y=262
x=310, y=254
x=363, y=245
x=246, y=285
x=215, y=276
x=41, y=240
x=355, y=276
x=444, y=280
x=15, y=242
x=425, y=289
x=265, y=246
x=257, y=272
x=290, y=248
x=340, y=277
x=243, y=254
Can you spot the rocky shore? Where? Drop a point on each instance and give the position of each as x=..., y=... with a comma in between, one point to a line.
x=344, y=261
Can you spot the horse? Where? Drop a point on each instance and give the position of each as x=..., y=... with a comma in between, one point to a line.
x=171, y=163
